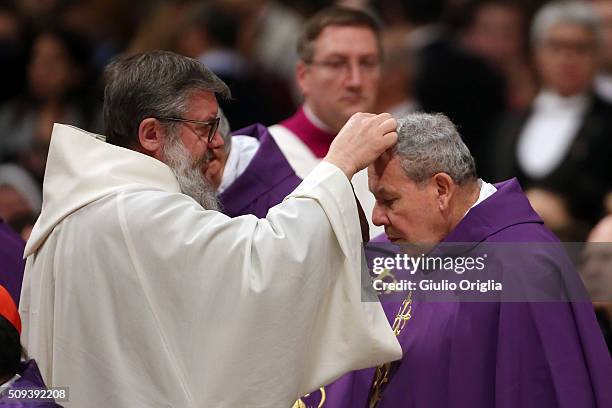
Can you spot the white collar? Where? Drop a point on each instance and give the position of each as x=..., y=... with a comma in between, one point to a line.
x=314, y=119
x=548, y=100
x=240, y=156
x=486, y=191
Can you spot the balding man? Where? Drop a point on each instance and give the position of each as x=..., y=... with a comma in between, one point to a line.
x=534, y=351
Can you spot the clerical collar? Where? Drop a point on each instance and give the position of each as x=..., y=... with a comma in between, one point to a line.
x=312, y=117
x=486, y=191
x=314, y=136
x=549, y=132
x=550, y=100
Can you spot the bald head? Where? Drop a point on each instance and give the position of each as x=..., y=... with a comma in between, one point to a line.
x=602, y=231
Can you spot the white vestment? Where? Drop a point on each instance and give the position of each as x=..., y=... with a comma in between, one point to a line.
x=135, y=296
x=303, y=161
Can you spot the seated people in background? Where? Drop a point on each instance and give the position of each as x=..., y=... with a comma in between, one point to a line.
x=562, y=143
x=449, y=79
x=496, y=31
x=211, y=34
x=57, y=79
x=15, y=374
x=472, y=354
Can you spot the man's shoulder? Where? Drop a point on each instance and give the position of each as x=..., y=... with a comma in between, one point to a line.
x=133, y=205
x=149, y=199
x=523, y=232
x=532, y=247
x=281, y=132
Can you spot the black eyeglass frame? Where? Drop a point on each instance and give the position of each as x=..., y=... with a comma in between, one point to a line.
x=213, y=123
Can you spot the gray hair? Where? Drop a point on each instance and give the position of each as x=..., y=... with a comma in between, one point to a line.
x=572, y=12
x=430, y=143
x=151, y=84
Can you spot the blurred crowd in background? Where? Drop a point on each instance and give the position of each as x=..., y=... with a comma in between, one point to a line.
x=531, y=99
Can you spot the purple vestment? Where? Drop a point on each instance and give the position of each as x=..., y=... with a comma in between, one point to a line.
x=266, y=181
x=483, y=355
x=11, y=261
x=30, y=380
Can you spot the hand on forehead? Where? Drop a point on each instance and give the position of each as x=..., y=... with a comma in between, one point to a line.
x=379, y=165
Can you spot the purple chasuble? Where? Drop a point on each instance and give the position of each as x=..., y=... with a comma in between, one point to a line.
x=266, y=181
x=11, y=261
x=317, y=140
x=30, y=380
x=483, y=355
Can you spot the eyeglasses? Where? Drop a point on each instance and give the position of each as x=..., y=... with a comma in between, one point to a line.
x=206, y=129
x=343, y=66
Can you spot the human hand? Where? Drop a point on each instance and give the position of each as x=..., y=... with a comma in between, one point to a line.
x=361, y=140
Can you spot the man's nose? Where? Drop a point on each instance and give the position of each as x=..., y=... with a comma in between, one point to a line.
x=355, y=76
x=217, y=141
x=379, y=217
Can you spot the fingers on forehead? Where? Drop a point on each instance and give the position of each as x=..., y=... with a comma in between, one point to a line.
x=389, y=124
x=382, y=118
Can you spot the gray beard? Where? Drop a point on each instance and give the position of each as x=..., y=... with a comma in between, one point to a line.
x=189, y=175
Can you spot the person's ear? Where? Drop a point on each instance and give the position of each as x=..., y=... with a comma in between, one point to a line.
x=301, y=75
x=444, y=187
x=150, y=137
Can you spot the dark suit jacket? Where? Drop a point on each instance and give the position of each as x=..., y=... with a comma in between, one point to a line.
x=585, y=174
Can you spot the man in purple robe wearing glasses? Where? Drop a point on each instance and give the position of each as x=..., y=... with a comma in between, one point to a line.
x=528, y=353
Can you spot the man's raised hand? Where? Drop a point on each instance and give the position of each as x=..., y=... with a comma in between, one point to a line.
x=361, y=140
